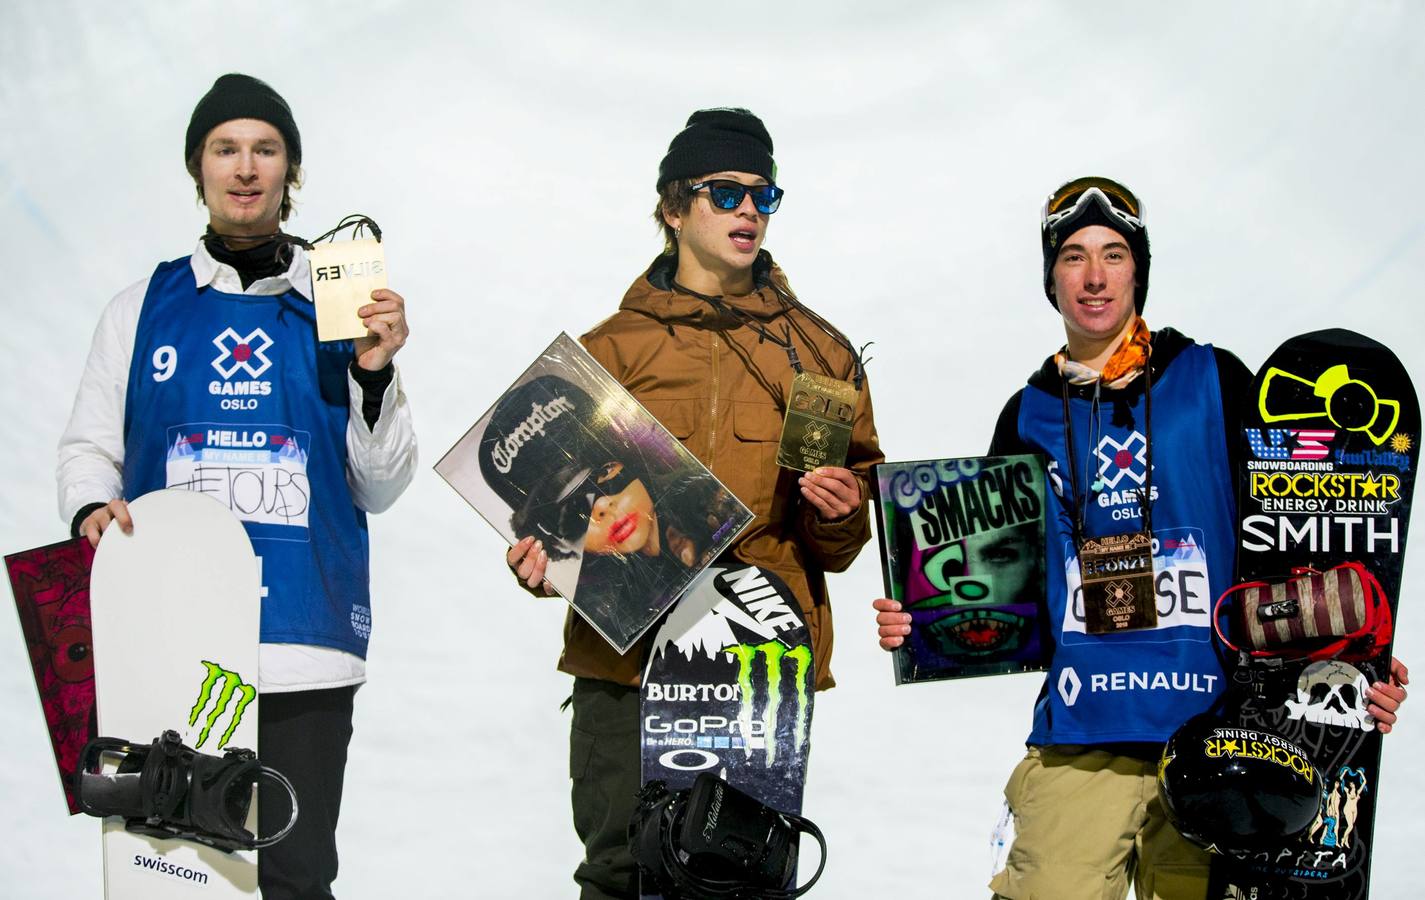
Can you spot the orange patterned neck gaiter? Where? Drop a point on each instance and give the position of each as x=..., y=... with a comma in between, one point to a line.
x=1123, y=366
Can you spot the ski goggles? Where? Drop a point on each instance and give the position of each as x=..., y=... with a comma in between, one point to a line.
x=1073, y=198
x=729, y=194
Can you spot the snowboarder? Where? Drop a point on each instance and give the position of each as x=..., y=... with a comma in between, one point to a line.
x=708, y=339
x=1139, y=430
x=208, y=376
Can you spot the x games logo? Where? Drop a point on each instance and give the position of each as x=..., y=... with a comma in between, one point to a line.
x=1117, y=461
x=247, y=353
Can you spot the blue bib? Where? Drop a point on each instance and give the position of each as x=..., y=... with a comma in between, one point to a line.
x=1137, y=685
x=231, y=395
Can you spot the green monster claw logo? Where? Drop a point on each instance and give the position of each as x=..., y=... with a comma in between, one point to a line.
x=774, y=652
x=232, y=684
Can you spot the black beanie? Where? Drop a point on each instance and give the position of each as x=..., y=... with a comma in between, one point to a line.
x=1095, y=214
x=719, y=140
x=235, y=96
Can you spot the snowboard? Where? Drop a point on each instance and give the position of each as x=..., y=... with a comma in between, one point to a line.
x=51, y=588
x=175, y=609
x=728, y=689
x=1328, y=453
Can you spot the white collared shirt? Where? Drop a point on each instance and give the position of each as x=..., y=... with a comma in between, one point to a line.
x=380, y=462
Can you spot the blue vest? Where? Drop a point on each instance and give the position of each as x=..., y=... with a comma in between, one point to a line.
x=231, y=395
x=1137, y=685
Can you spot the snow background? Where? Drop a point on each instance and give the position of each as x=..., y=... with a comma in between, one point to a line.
x=509, y=151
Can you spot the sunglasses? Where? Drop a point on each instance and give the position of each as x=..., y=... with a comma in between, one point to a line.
x=566, y=515
x=729, y=194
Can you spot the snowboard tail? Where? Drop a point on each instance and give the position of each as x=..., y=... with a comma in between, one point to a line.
x=728, y=689
x=176, y=608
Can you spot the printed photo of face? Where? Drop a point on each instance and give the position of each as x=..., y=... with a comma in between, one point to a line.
x=622, y=520
x=1008, y=560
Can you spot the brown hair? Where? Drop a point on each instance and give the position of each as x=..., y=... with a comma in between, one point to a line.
x=676, y=198
x=292, y=182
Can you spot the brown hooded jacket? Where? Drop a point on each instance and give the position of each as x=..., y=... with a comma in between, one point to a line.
x=721, y=388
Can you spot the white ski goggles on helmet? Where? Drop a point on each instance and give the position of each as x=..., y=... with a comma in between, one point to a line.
x=1073, y=198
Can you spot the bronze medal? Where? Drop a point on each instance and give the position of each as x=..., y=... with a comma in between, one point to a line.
x=1117, y=578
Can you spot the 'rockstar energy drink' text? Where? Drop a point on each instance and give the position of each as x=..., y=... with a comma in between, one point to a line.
x=1325, y=492
x=1270, y=751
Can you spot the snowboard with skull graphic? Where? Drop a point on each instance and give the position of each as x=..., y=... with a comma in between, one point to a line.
x=1329, y=444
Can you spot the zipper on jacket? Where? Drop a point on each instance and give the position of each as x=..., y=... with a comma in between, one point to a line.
x=712, y=410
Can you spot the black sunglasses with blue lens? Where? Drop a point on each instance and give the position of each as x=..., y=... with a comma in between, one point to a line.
x=729, y=194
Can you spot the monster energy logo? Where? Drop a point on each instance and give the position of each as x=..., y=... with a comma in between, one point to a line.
x=232, y=685
x=773, y=653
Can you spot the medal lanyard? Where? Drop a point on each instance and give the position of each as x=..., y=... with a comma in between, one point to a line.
x=762, y=333
x=1145, y=493
x=355, y=221
x=785, y=342
x=284, y=253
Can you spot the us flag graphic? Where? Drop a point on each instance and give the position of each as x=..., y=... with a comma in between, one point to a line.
x=1312, y=444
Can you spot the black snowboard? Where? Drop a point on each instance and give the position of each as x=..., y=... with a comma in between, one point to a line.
x=728, y=688
x=1329, y=446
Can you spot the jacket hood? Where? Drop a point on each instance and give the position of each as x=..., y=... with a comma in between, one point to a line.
x=655, y=294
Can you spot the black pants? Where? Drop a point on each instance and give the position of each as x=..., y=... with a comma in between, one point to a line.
x=303, y=735
x=604, y=767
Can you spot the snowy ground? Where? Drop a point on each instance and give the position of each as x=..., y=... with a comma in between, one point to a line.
x=509, y=152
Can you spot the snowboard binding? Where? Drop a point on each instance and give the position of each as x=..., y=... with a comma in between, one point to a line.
x=168, y=790
x=713, y=841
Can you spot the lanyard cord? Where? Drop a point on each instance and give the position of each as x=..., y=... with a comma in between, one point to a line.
x=284, y=252
x=356, y=220
x=1145, y=493
x=858, y=375
x=785, y=342
x=859, y=371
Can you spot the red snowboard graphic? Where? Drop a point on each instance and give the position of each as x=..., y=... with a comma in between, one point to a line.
x=51, y=587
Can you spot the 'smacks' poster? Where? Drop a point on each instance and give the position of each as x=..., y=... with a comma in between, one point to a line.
x=962, y=549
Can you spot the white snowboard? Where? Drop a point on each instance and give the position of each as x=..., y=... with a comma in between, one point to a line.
x=176, y=609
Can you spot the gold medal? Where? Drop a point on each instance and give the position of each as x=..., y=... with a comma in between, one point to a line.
x=817, y=429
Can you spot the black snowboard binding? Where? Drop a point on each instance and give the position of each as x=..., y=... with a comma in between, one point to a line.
x=713, y=842
x=168, y=790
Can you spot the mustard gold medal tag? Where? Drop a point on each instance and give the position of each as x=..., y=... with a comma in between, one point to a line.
x=817, y=428
x=344, y=273
x=1117, y=576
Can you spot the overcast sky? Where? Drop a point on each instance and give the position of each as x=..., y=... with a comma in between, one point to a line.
x=509, y=153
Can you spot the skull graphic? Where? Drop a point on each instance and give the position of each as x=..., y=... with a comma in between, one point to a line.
x=1331, y=692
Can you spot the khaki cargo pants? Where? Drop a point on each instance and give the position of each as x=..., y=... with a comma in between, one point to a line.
x=1086, y=821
